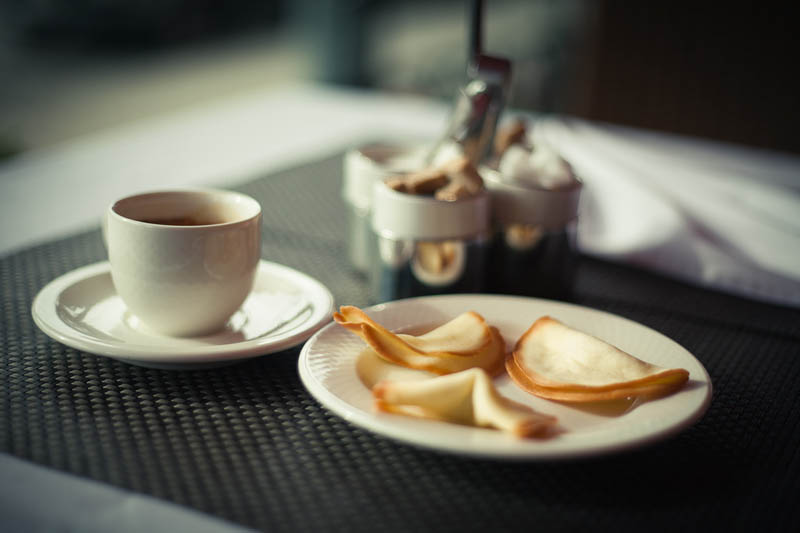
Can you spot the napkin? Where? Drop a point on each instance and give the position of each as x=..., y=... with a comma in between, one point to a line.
x=716, y=215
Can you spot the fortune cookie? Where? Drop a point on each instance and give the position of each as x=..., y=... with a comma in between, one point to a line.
x=553, y=361
x=465, y=342
x=467, y=397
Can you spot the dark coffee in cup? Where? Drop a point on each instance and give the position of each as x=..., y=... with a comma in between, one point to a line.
x=183, y=221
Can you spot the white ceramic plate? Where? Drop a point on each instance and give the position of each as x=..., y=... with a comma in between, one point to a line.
x=327, y=368
x=81, y=309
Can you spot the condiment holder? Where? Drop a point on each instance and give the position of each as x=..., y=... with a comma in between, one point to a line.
x=534, y=231
x=363, y=167
x=517, y=236
x=423, y=246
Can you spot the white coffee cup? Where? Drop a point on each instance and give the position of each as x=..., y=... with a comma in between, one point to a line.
x=184, y=261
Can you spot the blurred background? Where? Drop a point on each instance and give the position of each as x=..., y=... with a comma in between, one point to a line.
x=719, y=71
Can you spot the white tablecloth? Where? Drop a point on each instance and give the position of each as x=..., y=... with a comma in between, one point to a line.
x=721, y=216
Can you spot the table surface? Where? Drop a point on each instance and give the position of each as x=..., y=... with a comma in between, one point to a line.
x=248, y=444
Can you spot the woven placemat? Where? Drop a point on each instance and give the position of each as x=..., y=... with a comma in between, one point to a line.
x=247, y=442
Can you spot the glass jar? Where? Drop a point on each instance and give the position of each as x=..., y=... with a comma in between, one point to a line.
x=363, y=167
x=423, y=246
x=534, y=230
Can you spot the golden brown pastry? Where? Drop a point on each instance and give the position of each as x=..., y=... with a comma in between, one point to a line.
x=465, y=342
x=554, y=361
x=467, y=397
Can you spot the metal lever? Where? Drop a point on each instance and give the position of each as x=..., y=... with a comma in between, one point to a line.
x=480, y=100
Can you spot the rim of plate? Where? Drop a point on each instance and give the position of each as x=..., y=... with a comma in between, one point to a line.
x=46, y=318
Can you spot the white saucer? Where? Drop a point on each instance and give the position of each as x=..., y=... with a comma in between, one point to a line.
x=327, y=367
x=82, y=309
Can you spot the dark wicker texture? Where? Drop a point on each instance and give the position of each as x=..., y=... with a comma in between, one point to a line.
x=247, y=442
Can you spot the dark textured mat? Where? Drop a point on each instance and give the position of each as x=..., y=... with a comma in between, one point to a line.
x=247, y=442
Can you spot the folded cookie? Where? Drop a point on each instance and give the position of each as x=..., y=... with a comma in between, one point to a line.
x=465, y=342
x=467, y=397
x=554, y=361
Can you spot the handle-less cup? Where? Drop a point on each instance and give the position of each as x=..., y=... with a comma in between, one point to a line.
x=363, y=167
x=184, y=261
x=534, y=249
x=424, y=246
